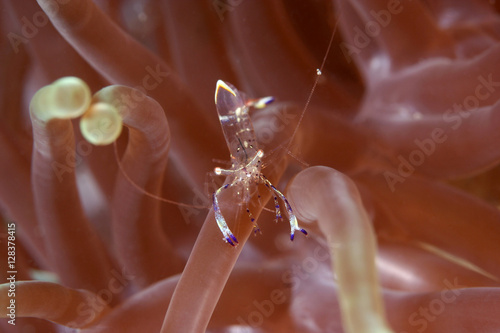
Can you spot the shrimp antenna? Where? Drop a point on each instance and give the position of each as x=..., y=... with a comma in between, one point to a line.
x=319, y=72
x=143, y=191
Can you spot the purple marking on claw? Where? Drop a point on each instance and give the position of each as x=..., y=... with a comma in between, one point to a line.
x=230, y=241
x=291, y=237
x=234, y=238
x=304, y=232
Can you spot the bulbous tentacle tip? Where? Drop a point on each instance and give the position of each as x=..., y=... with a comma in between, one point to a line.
x=66, y=98
x=101, y=124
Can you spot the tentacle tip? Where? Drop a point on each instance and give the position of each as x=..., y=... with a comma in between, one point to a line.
x=66, y=98
x=101, y=124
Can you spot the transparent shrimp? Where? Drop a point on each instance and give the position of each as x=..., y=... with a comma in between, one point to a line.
x=245, y=172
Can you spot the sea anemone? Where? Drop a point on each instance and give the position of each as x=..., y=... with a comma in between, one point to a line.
x=382, y=132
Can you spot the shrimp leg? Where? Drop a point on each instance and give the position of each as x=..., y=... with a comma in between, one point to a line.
x=221, y=222
x=294, y=225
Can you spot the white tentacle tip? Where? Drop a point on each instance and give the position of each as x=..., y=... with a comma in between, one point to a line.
x=101, y=124
x=66, y=98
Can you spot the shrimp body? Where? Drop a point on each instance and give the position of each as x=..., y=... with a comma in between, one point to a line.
x=236, y=124
x=232, y=107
